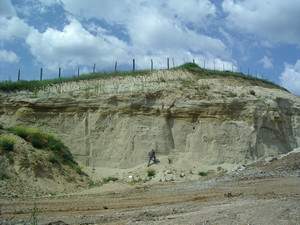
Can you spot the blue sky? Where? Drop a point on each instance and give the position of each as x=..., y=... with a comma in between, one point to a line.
x=263, y=36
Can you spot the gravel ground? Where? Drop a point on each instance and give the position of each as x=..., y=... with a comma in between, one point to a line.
x=261, y=193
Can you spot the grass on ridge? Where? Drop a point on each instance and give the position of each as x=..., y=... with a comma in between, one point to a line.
x=35, y=85
x=195, y=68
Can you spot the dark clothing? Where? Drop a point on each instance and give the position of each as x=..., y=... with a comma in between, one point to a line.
x=151, y=156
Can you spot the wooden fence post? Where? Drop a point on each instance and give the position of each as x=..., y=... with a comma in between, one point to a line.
x=41, y=74
x=78, y=71
x=19, y=74
x=151, y=65
x=116, y=65
x=59, y=72
x=173, y=62
x=204, y=64
x=94, y=68
x=133, y=65
x=168, y=65
x=214, y=65
x=193, y=60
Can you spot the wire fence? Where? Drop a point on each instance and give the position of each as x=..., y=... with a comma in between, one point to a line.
x=205, y=64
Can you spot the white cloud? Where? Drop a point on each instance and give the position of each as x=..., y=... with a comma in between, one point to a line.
x=74, y=46
x=157, y=33
x=266, y=62
x=11, y=28
x=122, y=11
x=276, y=20
x=154, y=25
x=290, y=78
x=193, y=12
x=6, y=8
x=8, y=56
x=154, y=30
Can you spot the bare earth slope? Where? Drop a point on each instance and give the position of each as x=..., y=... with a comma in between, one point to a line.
x=260, y=194
x=28, y=171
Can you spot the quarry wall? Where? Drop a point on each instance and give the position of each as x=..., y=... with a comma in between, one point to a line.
x=115, y=122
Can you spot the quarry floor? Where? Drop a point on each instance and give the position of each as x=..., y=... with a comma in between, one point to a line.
x=224, y=200
x=261, y=193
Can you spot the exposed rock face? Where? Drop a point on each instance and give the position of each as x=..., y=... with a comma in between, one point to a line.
x=115, y=122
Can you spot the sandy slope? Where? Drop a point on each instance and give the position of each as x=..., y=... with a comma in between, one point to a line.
x=260, y=194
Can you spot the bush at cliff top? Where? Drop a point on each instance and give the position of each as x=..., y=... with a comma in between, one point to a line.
x=7, y=143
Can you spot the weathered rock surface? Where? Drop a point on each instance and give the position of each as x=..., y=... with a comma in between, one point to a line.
x=115, y=122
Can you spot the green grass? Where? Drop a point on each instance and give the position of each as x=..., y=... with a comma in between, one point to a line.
x=7, y=143
x=54, y=159
x=105, y=180
x=33, y=219
x=221, y=170
x=70, y=179
x=10, y=158
x=252, y=92
x=34, y=85
x=108, y=179
x=20, y=131
x=59, y=152
x=254, y=80
x=204, y=174
x=3, y=176
x=150, y=172
x=232, y=95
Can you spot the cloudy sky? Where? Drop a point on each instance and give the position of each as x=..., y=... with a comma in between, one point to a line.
x=262, y=37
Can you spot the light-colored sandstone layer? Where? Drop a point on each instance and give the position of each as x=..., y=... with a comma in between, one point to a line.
x=115, y=122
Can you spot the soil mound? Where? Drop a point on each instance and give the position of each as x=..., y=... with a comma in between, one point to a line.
x=29, y=171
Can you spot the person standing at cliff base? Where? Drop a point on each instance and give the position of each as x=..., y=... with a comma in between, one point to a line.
x=151, y=156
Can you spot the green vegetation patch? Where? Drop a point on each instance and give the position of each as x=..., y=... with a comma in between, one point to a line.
x=2, y=125
x=221, y=170
x=108, y=179
x=7, y=143
x=3, y=176
x=59, y=152
x=35, y=85
x=20, y=131
x=204, y=174
x=9, y=158
x=197, y=69
x=150, y=172
x=105, y=180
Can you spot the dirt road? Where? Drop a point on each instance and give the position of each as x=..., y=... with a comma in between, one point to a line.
x=266, y=200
